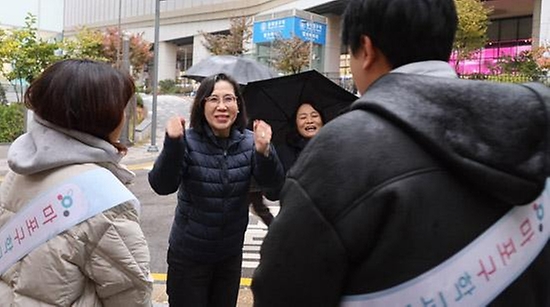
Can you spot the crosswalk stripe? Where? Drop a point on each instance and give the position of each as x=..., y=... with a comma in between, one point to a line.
x=251, y=256
x=251, y=248
x=250, y=264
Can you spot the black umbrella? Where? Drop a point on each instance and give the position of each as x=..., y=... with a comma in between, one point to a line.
x=242, y=69
x=276, y=100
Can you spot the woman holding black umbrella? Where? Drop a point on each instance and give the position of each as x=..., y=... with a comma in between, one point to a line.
x=307, y=122
x=278, y=100
x=211, y=166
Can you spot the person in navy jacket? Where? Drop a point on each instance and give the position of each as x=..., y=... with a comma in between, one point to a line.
x=211, y=165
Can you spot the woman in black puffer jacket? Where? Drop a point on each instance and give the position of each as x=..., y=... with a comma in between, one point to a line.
x=211, y=165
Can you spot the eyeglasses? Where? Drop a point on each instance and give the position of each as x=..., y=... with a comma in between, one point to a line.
x=227, y=99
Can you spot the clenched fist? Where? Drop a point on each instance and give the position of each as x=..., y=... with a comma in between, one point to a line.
x=262, y=136
x=175, y=127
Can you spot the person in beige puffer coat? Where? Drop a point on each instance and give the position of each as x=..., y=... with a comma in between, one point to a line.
x=104, y=260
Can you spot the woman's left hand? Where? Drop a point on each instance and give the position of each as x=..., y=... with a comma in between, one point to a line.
x=262, y=136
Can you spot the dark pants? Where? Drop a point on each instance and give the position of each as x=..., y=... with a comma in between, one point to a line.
x=261, y=210
x=195, y=284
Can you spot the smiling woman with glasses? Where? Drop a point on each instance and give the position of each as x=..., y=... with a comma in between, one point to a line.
x=211, y=165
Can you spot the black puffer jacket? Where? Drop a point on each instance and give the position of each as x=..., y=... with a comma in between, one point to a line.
x=213, y=177
x=418, y=169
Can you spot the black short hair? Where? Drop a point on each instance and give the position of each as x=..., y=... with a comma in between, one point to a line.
x=405, y=31
x=82, y=95
x=198, y=120
x=314, y=106
x=293, y=136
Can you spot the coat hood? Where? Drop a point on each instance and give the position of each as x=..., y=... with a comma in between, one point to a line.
x=47, y=146
x=493, y=135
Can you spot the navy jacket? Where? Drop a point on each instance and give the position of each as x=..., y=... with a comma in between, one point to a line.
x=212, y=177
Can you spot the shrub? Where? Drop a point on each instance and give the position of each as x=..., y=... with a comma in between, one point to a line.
x=3, y=99
x=141, y=112
x=167, y=86
x=512, y=78
x=139, y=100
x=11, y=122
x=475, y=76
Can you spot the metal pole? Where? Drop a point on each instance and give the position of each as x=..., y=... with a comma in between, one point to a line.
x=125, y=135
x=153, y=147
x=310, y=30
x=119, y=34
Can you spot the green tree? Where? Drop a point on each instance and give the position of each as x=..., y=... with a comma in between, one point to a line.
x=26, y=54
x=11, y=122
x=233, y=43
x=86, y=43
x=106, y=46
x=471, y=34
x=291, y=55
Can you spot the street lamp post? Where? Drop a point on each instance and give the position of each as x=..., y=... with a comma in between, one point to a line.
x=153, y=147
x=130, y=109
x=119, y=34
x=309, y=30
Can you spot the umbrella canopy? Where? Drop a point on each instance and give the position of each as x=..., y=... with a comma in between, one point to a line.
x=276, y=100
x=242, y=69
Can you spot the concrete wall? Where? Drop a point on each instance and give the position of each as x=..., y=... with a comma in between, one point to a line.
x=332, y=47
x=97, y=12
x=541, y=23
x=167, y=61
x=297, y=4
x=139, y=14
x=175, y=31
x=199, y=51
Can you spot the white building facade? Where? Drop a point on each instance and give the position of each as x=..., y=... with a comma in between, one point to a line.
x=515, y=22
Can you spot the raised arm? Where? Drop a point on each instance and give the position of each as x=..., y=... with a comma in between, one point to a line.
x=165, y=176
x=268, y=170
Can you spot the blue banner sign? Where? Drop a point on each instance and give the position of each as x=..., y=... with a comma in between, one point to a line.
x=286, y=28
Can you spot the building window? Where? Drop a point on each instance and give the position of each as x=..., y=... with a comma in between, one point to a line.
x=506, y=37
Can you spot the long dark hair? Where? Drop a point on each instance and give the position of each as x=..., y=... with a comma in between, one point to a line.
x=198, y=120
x=82, y=95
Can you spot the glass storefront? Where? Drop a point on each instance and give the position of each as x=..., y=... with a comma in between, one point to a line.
x=507, y=37
x=308, y=27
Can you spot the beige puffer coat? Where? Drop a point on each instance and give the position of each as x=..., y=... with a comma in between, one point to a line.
x=103, y=261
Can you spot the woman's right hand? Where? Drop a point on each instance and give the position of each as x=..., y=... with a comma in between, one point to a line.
x=175, y=127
